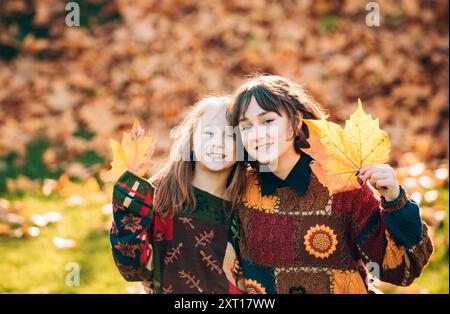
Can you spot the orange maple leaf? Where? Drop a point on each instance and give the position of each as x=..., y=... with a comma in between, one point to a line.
x=340, y=153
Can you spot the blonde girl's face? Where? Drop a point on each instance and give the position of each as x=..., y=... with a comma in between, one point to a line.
x=213, y=140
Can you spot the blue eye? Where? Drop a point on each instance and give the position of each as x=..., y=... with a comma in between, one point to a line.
x=245, y=127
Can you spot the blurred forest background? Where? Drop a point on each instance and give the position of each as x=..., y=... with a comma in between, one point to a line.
x=64, y=91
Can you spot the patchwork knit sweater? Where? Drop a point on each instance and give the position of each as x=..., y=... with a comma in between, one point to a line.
x=193, y=252
x=323, y=243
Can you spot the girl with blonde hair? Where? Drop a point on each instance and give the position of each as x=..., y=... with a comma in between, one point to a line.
x=175, y=232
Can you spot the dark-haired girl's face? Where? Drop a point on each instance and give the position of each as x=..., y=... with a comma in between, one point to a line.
x=266, y=135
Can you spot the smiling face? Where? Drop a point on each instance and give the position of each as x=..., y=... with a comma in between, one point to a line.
x=213, y=140
x=266, y=135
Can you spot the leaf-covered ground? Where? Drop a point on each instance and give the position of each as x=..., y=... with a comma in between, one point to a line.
x=149, y=59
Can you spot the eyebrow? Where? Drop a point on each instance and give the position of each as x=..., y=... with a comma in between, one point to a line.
x=259, y=115
x=213, y=126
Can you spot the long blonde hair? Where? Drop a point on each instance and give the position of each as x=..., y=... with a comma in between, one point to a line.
x=174, y=190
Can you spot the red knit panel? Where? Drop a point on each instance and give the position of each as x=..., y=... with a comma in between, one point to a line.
x=272, y=239
x=163, y=226
x=146, y=251
x=375, y=244
x=342, y=202
x=365, y=205
x=361, y=205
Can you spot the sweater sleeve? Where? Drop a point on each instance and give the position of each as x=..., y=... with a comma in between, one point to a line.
x=396, y=243
x=130, y=233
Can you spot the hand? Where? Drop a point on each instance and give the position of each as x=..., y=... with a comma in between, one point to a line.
x=381, y=177
x=147, y=286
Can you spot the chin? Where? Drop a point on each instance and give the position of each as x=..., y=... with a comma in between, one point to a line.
x=216, y=165
x=265, y=159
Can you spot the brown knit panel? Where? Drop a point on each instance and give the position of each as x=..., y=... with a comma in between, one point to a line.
x=315, y=199
x=245, y=217
x=303, y=281
x=421, y=252
x=192, y=261
x=338, y=257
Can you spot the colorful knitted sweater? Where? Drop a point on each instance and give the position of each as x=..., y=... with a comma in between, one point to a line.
x=193, y=252
x=295, y=237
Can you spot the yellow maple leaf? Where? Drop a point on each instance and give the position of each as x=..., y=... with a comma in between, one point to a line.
x=340, y=153
x=133, y=154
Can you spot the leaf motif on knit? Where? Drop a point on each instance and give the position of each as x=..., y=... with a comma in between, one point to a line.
x=131, y=223
x=210, y=262
x=204, y=238
x=167, y=290
x=187, y=221
x=126, y=249
x=128, y=271
x=190, y=280
x=173, y=254
x=114, y=229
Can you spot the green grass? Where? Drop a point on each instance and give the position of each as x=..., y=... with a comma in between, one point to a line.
x=435, y=277
x=36, y=266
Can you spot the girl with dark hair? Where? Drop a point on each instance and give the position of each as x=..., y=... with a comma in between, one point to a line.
x=295, y=236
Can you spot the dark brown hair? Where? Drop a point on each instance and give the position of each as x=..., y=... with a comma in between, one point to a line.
x=275, y=93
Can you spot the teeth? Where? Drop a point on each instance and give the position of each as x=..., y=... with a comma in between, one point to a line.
x=216, y=155
x=265, y=146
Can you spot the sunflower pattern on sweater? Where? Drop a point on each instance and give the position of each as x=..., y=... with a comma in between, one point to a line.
x=193, y=252
x=323, y=243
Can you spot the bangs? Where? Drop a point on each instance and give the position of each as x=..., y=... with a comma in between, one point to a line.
x=265, y=99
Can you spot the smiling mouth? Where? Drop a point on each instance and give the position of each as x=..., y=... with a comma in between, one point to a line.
x=264, y=147
x=216, y=156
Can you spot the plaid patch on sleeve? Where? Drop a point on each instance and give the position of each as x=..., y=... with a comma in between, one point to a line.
x=135, y=194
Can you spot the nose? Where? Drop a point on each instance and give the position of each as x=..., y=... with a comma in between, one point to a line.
x=259, y=134
x=218, y=140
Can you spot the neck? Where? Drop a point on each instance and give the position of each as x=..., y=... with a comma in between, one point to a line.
x=285, y=164
x=213, y=182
